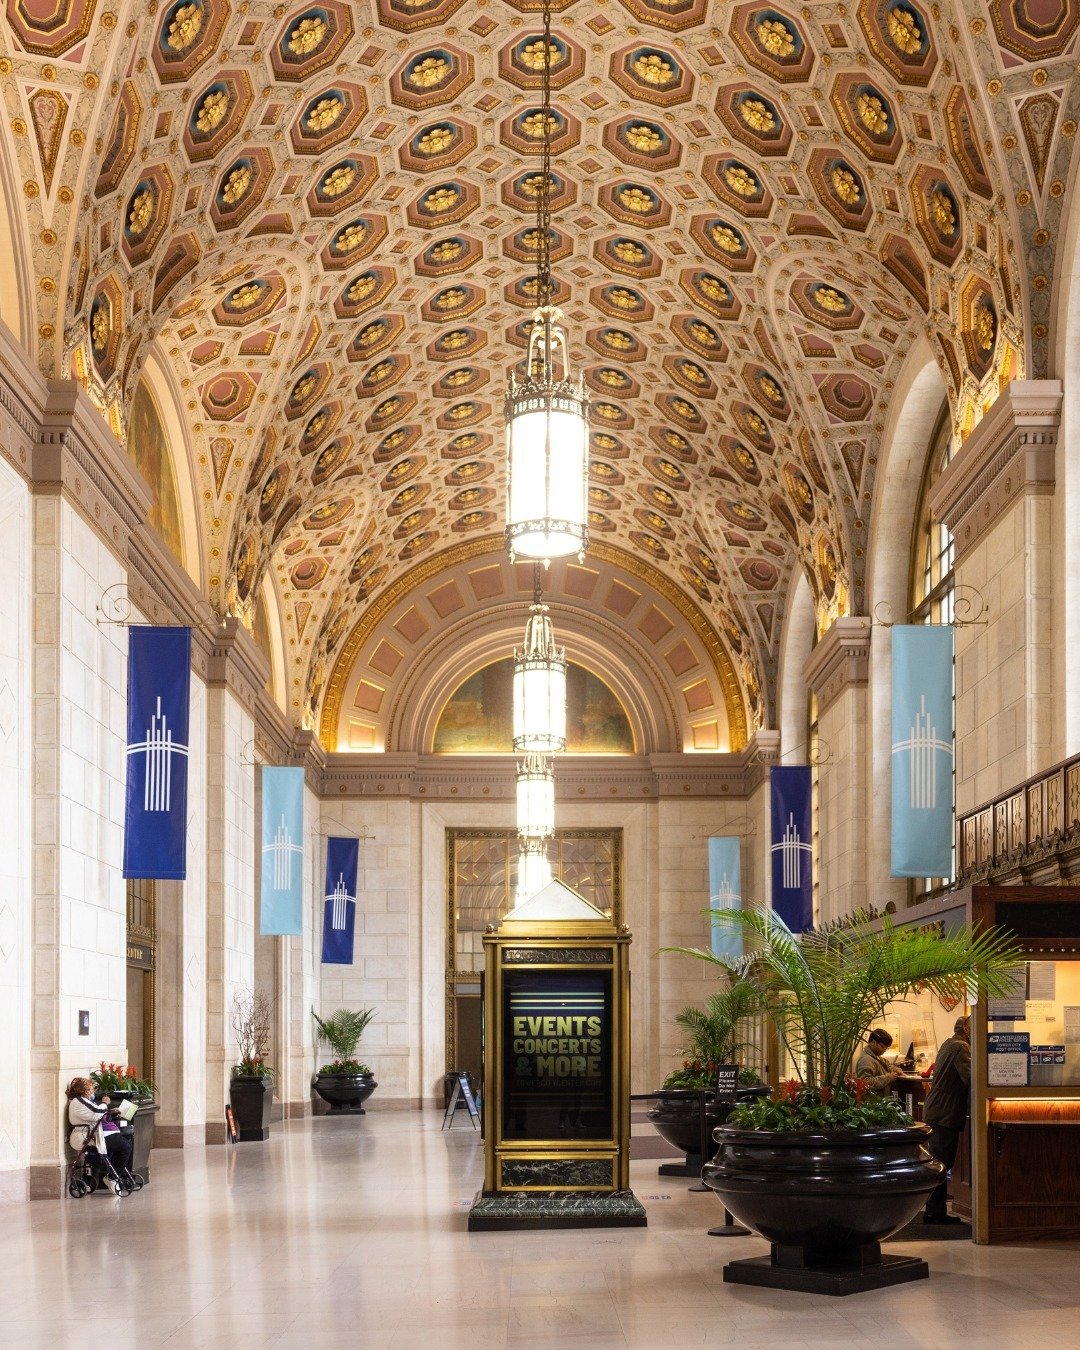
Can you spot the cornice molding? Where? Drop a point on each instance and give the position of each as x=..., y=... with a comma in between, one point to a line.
x=600, y=778
x=237, y=664
x=23, y=395
x=762, y=752
x=160, y=589
x=840, y=661
x=77, y=457
x=1009, y=454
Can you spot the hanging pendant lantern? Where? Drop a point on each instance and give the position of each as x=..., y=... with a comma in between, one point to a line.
x=534, y=868
x=539, y=686
x=546, y=412
x=547, y=449
x=535, y=797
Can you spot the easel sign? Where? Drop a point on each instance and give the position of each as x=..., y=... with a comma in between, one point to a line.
x=462, y=1093
x=230, y=1126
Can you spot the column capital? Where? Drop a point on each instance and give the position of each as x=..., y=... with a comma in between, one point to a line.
x=78, y=457
x=1009, y=454
x=840, y=660
x=237, y=664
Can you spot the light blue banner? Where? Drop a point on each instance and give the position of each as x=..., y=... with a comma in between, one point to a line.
x=792, y=845
x=725, y=892
x=282, y=907
x=922, y=750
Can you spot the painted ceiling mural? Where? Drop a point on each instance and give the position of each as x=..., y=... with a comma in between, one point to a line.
x=321, y=214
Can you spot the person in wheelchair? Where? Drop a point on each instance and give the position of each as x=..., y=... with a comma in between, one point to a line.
x=93, y=1122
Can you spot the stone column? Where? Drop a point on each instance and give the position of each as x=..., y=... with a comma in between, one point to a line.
x=837, y=671
x=996, y=498
x=20, y=409
x=237, y=672
x=87, y=501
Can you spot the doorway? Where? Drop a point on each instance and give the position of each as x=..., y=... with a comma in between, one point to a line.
x=481, y=882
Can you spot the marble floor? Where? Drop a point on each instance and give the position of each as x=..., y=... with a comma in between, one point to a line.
x=351, y=1233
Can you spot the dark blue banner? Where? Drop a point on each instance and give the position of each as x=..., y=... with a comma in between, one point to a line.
x=155, y=816
x=339, y=903
x=791, y=845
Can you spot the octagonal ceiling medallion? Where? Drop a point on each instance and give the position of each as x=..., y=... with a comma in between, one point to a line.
x=451, y=254
x=437, y=75
x=250, y=301
x=328, y=118
x=710, y=291
x=978, y=325
x=652, y=74
x=147, y=213
x=739, y=185
x=754, y=119
x=443, y=204
x=937, y=214
x=702, y=337
x=724, y=242
x=188, y=33
x=632, y=257
x=825, y=304
x=342, y=185
x=898, y=34
x=437, y=145
x=522, y=62
x=364, y=291
x=241, y=188
x=841, y=189
x=634, y=204
x=217, y=114
x=773, y=41
x=868, y=117
x=310, y=40
x=524, y=131
x=353, y=241
x=642, y=144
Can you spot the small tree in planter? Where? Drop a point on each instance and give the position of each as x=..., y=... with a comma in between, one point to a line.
x=825, y=1170
x=713, y=1038
x=345, y=1083
x=251, y=1088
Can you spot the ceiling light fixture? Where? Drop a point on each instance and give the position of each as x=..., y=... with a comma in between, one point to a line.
x=547, y=411
x=539, y=683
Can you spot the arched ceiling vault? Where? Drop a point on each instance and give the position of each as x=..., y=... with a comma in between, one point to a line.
x=319, y=215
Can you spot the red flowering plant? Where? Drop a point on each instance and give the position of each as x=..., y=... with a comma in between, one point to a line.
x=823, y=990
x=111, y=1078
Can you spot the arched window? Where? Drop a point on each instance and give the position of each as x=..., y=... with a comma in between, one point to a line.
x=933, y=589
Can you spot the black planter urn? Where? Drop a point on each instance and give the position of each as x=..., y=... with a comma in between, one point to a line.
x=143, y=1126
x=251, y=1099
x=676, y=1114
x=825, y=1202
x=345, y=1092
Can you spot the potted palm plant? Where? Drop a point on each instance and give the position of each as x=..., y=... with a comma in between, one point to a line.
x=345, y=1083
x=251, y=1088
x=713, y=1038
x=824, y=1169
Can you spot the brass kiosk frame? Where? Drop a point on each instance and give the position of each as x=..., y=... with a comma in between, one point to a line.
x=556, y=1182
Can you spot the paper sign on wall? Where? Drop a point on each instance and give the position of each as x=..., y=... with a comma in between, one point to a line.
x=1007, y=1058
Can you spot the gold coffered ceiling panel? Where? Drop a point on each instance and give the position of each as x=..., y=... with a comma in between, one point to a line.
x=321, y=216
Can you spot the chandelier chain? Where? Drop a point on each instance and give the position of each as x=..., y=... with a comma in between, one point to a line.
x=544, y=287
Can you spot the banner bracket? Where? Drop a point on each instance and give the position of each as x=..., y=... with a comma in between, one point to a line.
x=114, y=609
x=327, y=829
x=969, y=609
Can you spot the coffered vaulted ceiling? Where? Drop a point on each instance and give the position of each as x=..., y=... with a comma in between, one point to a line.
x=321, y=216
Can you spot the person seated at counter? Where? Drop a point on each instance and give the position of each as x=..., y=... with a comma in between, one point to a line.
x=872, y=1067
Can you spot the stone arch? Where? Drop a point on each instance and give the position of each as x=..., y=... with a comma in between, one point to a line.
x=796, y=644
x=916, y=408
x=418, y=642
x=16, y=295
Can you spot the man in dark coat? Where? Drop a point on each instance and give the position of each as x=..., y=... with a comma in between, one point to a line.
x=946, y=1111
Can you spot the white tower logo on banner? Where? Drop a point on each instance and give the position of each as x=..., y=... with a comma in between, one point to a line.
x=341, y=898
x=159, y=748
x=281, y=849
x=924, y=743
x=726, y=896
x=791, y=848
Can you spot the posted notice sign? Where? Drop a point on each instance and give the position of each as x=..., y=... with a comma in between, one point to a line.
x=1007, y=1058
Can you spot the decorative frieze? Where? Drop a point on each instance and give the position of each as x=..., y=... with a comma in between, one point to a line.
x=840, y=661
x=1008, y=455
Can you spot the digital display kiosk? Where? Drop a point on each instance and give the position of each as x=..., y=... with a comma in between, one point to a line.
x=556, y=1069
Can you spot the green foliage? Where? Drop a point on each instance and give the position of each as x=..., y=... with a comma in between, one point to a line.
x=345, y=1068
x=342, y=1031
x=791, y=1107
x=825, y=990
x=694, y=1074
x=251, y=1066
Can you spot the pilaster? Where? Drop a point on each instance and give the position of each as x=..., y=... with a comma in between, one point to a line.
x=837, y=671
x=996, y=498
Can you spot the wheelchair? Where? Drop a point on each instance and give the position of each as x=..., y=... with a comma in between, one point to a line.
x=91, y=1171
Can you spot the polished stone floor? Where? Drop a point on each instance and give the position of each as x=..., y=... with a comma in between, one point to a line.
x=351, y=1233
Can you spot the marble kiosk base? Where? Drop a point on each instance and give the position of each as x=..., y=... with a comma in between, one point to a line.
x=506, y=1210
